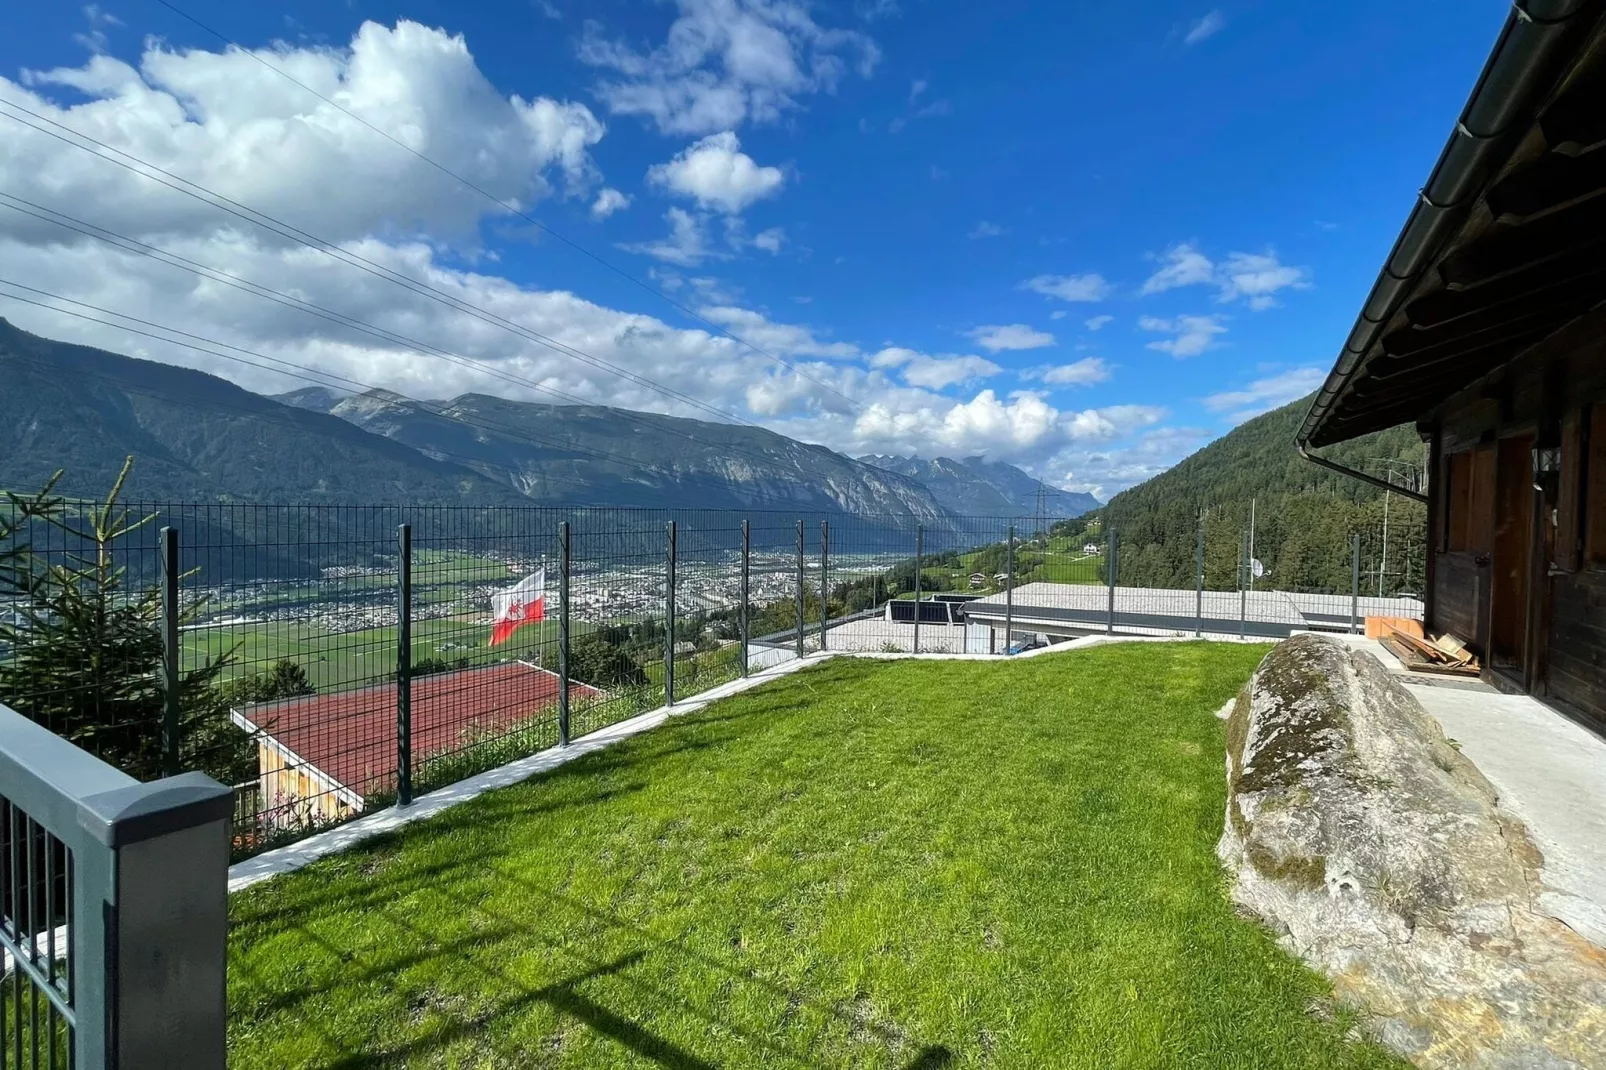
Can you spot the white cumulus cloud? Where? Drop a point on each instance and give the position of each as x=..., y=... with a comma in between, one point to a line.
x=1190, y=335
x=996, y=338
x=1098, y=323
x=782, y=339
x=686, y=244
x=1184, y=266
x=770, y=240
x=717, y=174
x=1256, y=277
x=726, y=62
x=1084, y=372
x=225, y=121
x=934, y=372
x=1089, y=287
x=1265, y=394
x=608, y=202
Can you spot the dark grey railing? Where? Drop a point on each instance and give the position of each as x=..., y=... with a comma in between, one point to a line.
x=113, y=910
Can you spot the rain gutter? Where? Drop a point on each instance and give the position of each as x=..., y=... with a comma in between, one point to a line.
x=1521, y=67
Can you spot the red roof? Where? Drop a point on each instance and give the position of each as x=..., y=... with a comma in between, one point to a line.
x=350, y=736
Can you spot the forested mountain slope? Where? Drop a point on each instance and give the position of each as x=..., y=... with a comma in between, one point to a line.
x=1305, y=515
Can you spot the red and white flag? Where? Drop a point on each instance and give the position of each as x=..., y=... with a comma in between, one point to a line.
x=521, y=604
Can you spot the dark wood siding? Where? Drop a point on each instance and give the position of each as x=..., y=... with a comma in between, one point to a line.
x=1577, y=661
x=1458, y=591
x=1555, y=393
x=1570, y=498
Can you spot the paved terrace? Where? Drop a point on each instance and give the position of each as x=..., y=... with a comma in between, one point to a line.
x=1059, y=608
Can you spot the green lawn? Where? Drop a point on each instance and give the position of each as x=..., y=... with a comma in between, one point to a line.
x=878, y=864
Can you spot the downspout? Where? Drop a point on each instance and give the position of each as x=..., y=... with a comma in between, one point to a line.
x=1355, y=473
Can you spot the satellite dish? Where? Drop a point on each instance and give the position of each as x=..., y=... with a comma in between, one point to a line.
x=1256, y=567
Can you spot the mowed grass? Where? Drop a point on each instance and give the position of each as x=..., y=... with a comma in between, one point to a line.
x=866, y=864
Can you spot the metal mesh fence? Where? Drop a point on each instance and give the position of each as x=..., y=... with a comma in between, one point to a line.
x=330, y=660
x=36, y=991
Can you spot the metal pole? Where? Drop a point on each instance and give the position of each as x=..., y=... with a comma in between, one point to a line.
x=1009, y=590
x=825, y=556
x=563, y=633
x=1355, y=585
x=800, y=588
x=1109, y=569
x=920, y=552
x=1383, y=565
x=1248, y=561
x=1198, y=594
x=170, y=653
x=1243, y=591
x=404, y=667
x=747, y=562
x=669, y=618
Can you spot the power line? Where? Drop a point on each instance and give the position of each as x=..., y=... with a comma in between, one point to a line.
x=334, y=251
x=125, y=243
x=297, y=371
x=544, y=228
x=304, y=374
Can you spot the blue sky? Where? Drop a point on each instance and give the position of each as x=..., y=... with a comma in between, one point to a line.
x=1081, y=238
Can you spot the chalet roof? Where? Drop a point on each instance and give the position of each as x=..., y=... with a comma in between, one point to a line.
x=1507, y=241
x=350, y=736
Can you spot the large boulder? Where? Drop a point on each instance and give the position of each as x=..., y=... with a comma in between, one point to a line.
x=1378, y=855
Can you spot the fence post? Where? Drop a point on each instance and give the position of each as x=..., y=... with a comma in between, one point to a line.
x=920, y=552
x=404, y=667
x=825, y=577
x=150, y=909
x=669, y=618
x=1355, y=585
x=563, y=633
x=1198, y=595
x=1009, y=590
x=747, y=562
x=1110, y=567
x=800, y=588
x=1243, y=589
x=170, y=653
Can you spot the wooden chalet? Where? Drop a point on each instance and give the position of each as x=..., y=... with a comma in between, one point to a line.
x=1487, y=328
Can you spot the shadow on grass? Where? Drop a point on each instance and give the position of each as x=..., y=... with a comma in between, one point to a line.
x=391, y=878
x=738, y=974
x=565, y=996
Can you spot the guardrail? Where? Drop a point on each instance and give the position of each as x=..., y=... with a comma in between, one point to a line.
x=113, y=910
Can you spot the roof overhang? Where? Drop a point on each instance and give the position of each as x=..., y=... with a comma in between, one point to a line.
x=1507, y=241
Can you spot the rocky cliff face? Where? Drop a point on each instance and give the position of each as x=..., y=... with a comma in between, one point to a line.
x=1378, y=854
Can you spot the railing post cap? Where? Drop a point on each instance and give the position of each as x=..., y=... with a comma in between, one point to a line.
x=140, y=812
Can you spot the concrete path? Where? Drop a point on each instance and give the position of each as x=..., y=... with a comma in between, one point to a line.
x=1551, y=773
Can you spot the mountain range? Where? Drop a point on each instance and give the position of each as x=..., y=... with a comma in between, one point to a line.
x=976, y=486
x=199, y=438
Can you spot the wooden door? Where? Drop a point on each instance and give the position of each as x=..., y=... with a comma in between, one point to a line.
x=1511, y=564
